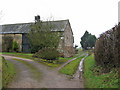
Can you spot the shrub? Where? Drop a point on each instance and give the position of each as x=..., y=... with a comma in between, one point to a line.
x=15, y=46
x=107, y=48
x=41, y=36
x=48, y=54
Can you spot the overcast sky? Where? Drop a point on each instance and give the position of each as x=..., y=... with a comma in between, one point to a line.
x=96, y=16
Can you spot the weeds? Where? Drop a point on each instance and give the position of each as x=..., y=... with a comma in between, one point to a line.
x=8, y=72
x=95, y=78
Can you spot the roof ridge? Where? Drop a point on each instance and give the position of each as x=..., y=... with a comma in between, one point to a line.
x=33, y=22
x=17, y=23
x=58, y=20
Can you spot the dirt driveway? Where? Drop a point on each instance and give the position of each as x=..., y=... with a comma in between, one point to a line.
x=48, y=77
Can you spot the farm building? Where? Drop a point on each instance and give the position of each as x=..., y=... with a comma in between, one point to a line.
x=19, y=32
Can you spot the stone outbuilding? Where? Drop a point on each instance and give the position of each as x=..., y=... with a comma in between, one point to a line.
x=19, y=32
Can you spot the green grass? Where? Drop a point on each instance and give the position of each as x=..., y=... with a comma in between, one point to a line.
x=71, y=68
x=8, y=72
x=22, y=55
x=0, y=72
x=103, y=80
x=37, y=74
x=56, y=63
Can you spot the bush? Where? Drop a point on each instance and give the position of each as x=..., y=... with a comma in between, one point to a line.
x=15, y=46
x=107, y=49
x=41, y=36
x=47, y=53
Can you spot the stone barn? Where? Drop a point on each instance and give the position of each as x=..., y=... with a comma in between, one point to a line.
x=19, y=32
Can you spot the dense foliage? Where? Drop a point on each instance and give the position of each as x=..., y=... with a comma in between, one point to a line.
x=87, y=41
x=47, y=53
x=15, y=46
x=107, y=49
x=43, y=40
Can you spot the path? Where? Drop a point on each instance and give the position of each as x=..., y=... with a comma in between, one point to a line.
x=79, y=72
x=70, y=61
x=50, y=77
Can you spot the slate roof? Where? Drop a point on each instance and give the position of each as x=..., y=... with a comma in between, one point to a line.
x=25, y=27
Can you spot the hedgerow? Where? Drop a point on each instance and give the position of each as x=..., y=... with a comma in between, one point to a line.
x=107, y=49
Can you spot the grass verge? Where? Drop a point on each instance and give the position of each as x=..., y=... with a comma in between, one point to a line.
x=59, y=62
x=22, y=55
x=71, y=68
x=8, y=72
x=95, y=79
x=56, y=63
x=0, y=72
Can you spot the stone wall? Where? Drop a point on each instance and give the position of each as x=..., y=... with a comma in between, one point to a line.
x=68, y=42
x=16, y=37
x=68, y=51
x=61, y=43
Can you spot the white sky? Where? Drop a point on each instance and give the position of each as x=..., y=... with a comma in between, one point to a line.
x=96, y=16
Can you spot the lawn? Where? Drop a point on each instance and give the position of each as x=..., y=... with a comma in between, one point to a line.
x=71, y=68
x=60, y=61
x=22, y=55
x=8, y=72
x=95, y=80
x=56, y=63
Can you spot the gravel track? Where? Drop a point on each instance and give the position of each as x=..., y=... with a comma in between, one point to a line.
x=49, y=78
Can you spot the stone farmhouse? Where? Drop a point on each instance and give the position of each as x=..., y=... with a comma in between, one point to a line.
x=19, y=32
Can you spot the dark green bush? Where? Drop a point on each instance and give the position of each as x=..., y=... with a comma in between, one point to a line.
x=41, y=36
x=47, y=53
x=15, y=46
x=107, y=49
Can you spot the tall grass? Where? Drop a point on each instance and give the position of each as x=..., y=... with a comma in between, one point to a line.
x=94, y=78
x=8, y=72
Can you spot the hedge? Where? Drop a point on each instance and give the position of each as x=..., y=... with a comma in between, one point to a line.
x=107, y=49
